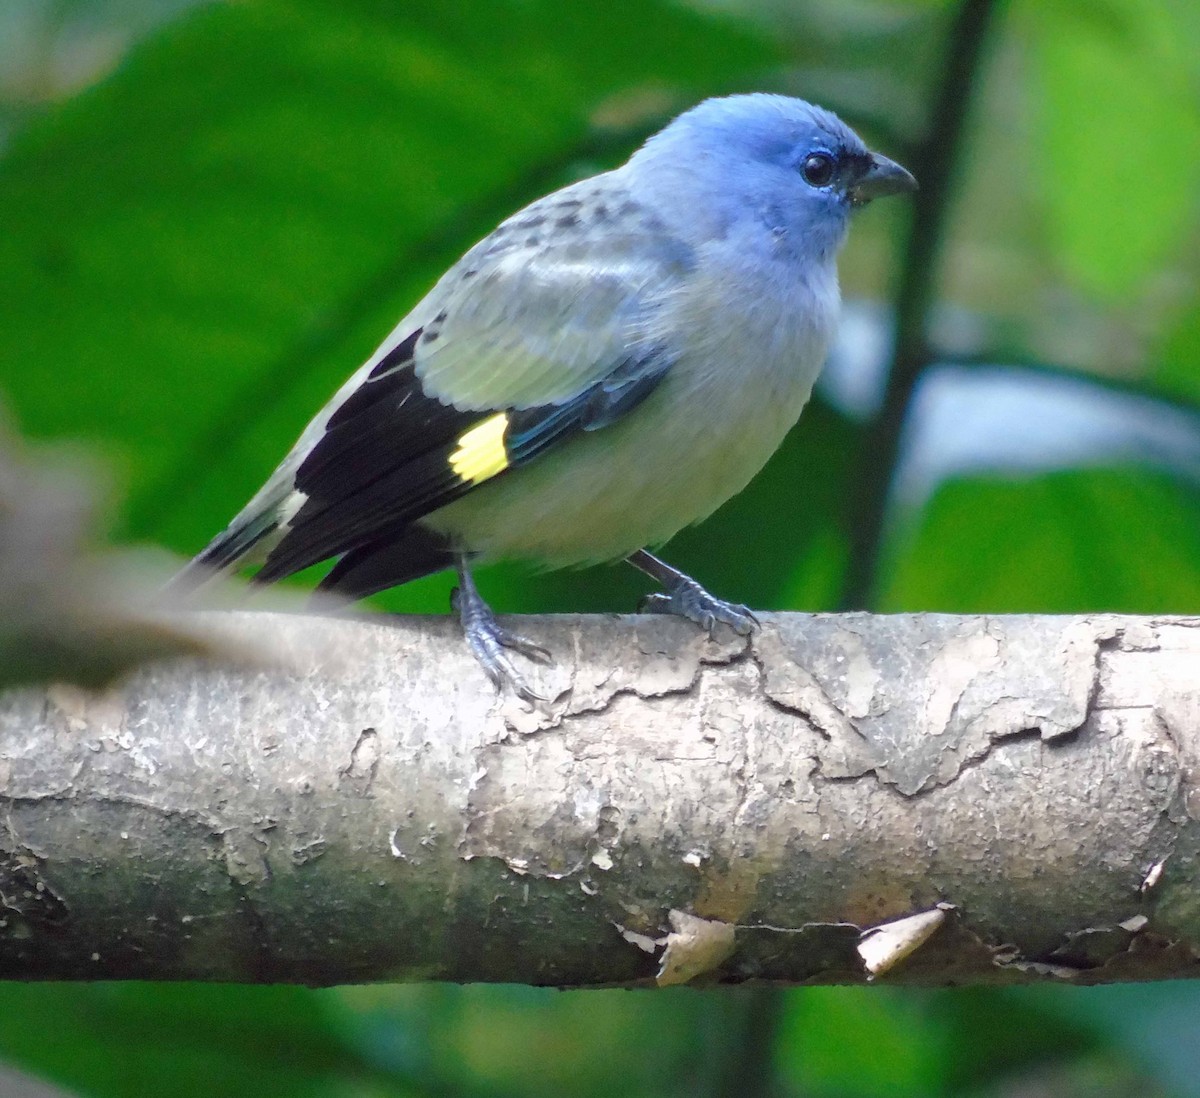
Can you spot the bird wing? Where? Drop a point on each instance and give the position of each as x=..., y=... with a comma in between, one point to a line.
x=548, y=303
x=527, y=340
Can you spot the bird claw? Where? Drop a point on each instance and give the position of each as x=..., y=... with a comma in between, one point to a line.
x=489, y=651
x=687, y=599
x=525, y=646
x=489, y=640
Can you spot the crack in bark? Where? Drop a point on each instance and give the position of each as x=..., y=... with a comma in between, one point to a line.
x=1113, y=641
x=359, y=772
x=806, y=714
x=126, y=800
x=568, y=711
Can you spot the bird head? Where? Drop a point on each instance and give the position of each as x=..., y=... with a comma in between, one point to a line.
x=769, y=162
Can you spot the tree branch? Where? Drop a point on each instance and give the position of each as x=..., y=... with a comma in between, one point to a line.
x=366, y=808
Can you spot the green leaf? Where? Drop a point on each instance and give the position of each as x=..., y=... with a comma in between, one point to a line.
x=1178, y=369
x=856, y=1041
x=1124, y=539
x=1117, y=132
x=207, y=1041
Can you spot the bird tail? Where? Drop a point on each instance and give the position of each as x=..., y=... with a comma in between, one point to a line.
x=228, y=549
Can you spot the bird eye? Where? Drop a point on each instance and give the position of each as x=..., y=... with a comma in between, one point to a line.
x=817, y=169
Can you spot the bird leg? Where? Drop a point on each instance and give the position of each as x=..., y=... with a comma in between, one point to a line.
x=488, y=639
x=685, y=597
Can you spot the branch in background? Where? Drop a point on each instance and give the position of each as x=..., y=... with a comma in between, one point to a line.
x=1000, y=358
x=368, y=810
x=935, y=162
x=68, y=612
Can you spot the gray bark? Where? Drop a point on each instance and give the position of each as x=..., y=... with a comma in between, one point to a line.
x=359, y=804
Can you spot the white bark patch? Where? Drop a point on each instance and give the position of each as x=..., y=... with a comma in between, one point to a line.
x=884, y=947
x=643, y=941
x=694, y=946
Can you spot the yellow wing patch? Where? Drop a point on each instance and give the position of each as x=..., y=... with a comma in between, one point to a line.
x=481, y=453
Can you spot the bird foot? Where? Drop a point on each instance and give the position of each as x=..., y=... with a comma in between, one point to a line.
x=687, y=599
x=490, y=644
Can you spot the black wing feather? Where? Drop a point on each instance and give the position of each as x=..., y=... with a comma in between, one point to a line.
x=384, y=460
x=533, y=430
x=387, y=561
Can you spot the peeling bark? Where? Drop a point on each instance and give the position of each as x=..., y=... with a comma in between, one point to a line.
x=366, y=807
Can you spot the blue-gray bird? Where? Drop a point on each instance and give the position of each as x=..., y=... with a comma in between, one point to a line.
x=609, y=365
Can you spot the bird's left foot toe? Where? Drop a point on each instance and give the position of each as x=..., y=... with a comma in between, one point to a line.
x=490, y=644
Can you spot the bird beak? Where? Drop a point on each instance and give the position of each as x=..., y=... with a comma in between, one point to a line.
x=882, y=177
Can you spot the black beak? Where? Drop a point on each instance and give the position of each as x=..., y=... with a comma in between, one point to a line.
x=881, y=178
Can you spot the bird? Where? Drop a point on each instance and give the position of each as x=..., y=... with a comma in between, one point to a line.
x=606, y=367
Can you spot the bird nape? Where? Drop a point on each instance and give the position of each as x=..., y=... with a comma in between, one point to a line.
x=607, y=366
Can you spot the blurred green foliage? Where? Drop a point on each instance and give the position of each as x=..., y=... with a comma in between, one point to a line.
x=209, y=213
x=1134, y=65
x=1121, y=539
